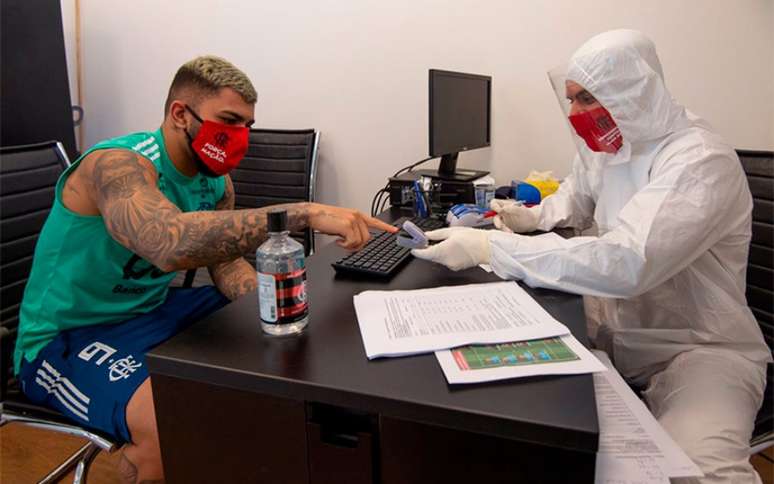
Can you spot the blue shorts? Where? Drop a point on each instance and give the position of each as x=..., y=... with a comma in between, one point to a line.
x=90, y=373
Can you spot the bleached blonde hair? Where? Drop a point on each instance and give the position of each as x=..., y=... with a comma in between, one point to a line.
x=204, y=76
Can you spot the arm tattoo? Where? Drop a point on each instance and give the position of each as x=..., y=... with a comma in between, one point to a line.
x=141, y=218
x=236, y=277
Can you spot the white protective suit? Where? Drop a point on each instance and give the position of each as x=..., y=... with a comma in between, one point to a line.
x=665, y=277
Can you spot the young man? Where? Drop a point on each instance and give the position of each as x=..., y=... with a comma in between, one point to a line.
x=128, y=214
x=664, y=279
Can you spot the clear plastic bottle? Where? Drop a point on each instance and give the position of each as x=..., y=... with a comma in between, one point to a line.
x=281, y=280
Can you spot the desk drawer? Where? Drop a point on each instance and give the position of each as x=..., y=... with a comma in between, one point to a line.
x=213, y=434
x=341, y=445
x=415, y=453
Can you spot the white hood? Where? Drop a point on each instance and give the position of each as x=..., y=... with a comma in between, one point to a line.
x=622, y=71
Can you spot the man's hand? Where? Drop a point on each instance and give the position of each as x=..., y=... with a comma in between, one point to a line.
x=351, y=225
x=514, y=217
x=462, y=248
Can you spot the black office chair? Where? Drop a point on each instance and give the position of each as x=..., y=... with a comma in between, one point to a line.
x=280, y=167
x=759, y=167
x=28, y=176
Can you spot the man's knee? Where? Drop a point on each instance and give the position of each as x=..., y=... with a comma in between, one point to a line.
x=720, y=452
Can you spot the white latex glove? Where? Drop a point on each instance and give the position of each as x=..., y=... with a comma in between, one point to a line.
x=462, y=248
x=514, y=217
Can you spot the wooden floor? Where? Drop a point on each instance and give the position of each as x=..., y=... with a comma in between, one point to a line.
x=27, y=454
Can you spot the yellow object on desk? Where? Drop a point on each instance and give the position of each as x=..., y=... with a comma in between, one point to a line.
x=544, y=181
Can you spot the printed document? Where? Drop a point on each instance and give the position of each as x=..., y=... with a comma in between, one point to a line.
x=633, y=447
x=398, y=323
x=563, y=355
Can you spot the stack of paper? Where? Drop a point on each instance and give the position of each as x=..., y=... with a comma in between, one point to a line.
x=633, y=447
x=399, y=323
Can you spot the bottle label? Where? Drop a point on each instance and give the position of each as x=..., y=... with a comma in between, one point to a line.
x=282, y=297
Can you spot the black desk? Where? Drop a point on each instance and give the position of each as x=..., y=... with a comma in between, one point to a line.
x=235, y=405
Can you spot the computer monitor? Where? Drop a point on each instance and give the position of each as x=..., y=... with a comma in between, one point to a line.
x=460, y=120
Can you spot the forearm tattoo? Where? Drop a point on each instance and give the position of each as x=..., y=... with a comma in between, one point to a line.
x=142, y=219
x=236, y=277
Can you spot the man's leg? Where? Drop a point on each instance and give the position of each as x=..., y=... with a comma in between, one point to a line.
x=706, y=400
x=97, y=375
x=141, y=459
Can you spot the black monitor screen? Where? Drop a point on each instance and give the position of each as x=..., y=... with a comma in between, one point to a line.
x=459, y=111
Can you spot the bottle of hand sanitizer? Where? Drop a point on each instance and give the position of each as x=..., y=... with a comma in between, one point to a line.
x=281, y=279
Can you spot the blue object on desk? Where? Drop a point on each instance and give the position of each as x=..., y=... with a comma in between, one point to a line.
x=421, y=206
x=468, y=215
x=525, y=192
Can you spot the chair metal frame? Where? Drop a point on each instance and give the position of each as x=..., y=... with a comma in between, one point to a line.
x=42, y=417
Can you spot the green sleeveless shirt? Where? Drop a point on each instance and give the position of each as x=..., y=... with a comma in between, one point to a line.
x=81, y=276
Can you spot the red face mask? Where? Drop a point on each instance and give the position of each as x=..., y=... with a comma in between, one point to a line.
x=598, y=130
x=220, y=147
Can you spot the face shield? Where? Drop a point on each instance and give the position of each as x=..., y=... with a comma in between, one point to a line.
x=593, y=129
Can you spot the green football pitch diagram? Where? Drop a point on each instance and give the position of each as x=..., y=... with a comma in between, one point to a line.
x=535, y=352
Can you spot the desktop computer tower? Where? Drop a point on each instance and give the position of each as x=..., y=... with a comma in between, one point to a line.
x=444, y=193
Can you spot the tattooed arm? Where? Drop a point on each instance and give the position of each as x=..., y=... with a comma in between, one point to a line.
x=142, y=219
x=236, y=277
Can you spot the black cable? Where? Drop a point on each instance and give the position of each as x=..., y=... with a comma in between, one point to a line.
x=384, y=203
x=412, y=166
x=385, y=195
x=377, y=200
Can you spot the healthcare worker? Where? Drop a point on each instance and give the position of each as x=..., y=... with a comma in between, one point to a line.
x=664, y=278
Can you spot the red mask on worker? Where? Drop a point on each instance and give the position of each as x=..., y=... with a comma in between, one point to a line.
x=598, y=130
x=218, y=147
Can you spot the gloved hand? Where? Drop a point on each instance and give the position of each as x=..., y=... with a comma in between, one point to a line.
x=514, y=217
x=462, y=247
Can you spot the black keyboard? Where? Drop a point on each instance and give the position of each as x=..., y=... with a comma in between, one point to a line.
x=381, y=256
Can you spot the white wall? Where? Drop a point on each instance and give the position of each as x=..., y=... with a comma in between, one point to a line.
x=357, y=70
x=70, y=37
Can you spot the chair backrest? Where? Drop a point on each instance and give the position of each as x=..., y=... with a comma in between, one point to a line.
x=759, y=167
x=279, y=167
x=28, y=176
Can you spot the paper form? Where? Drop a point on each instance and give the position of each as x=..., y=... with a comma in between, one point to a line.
x=563, y=355
x=397, y=323
x=633, y=447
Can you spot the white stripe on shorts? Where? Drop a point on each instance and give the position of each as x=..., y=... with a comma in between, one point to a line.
x=60, y=380
x=56, y=392
x=64, y=380
x=57, y=385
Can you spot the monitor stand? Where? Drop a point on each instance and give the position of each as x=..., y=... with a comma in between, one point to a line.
x=461, y=175
x=448, y=170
